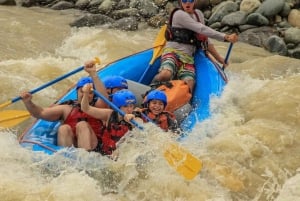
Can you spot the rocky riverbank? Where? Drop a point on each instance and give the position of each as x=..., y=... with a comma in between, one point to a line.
x=271, y=24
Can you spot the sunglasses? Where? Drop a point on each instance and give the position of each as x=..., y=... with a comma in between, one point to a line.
x=185, y=1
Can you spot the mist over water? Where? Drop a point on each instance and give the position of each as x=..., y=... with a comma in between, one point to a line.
x=249, y=147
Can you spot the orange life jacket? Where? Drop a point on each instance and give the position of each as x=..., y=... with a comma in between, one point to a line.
x=177, y=92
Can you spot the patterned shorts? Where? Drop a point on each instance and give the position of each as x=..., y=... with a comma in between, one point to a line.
x=179, y=69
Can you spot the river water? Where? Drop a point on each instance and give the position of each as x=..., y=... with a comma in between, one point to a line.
x=249, y=147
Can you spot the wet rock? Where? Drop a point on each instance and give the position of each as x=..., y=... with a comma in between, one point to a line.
x=222, y=10
x=270, y=8
x=62, y=5
x=276, y=44
x=7, y=2
x=235, y=19
x=257, y=19
x=126, y=24
x=91, y=20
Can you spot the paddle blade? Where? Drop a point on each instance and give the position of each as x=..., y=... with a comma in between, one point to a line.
x=7, y=103
x=183, y=161
x=158, y=44
x=10, y=118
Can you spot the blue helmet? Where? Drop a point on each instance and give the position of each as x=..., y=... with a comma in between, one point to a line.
x=123, y=98
x=156, y=95
x=115, y=81
x=83, y=81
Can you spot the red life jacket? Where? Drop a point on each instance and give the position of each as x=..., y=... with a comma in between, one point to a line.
x=165, y=120
x=114, y=131
x=76, y=115
x=186, y=36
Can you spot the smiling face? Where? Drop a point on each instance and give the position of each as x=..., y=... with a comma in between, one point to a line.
x=188, y=5
x=156, y=106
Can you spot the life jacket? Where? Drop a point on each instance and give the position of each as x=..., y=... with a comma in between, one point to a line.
x=177, y=92
x=114, y=131
x=165, y=120
x=76, y=115
x=186, y=36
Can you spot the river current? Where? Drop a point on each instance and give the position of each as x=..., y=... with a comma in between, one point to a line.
x=249, y=147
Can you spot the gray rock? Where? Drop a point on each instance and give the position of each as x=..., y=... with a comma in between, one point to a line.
x=295, y=53
x=257, y=36
x=257, y=19
x=292, y=35
x=7, y=2
x=222, y=10
x=106, y=6
x=91, y=20
x=126, y=24
x=276, y=44
x=62, y=5
x=216, y=25
x=285, y=10
x=148, y=8
x=245, y=27
x=127, y=12
x=122, y=4
x=270, y=8
x=235, y=19
x=82, y=4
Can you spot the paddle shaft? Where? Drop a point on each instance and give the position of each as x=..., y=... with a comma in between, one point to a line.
x=227, y=54
x=114, y=107
x=51, y=82
x=43, y=86
x=157, y=47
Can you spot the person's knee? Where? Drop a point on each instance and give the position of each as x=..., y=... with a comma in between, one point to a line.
x=82, y=125
x=164, y=75
x=65, y=136
x=64, y=130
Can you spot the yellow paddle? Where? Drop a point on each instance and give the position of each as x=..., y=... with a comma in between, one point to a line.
x=182, y=160
x=10, y=118
x=158, y=45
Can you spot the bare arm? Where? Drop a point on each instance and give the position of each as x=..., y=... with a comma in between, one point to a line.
x=50, y=114
x=184, y=20
x=212, y=50
x=90, y=68
x=98, y=113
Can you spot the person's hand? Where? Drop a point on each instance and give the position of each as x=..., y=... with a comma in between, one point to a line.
x=231, y=38
x=128, y=117
x=87, y=88
x=137, y=109
x=26, y=96
x=90, y=67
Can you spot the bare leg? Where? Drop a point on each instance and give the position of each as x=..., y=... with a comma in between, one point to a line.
x=163, y=75
x=86, y=137
x=65, y=136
